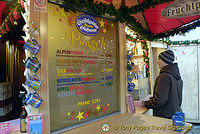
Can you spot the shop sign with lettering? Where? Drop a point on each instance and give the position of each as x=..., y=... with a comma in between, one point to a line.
x=182, y=8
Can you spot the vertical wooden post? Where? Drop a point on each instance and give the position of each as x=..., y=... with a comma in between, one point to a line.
x=151, y=77
x=122, y=68
x=40, y=20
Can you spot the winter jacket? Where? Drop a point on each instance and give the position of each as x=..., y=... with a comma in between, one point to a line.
x=167, y=96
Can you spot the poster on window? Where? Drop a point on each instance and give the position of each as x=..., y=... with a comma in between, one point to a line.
x=35, y=124
x=83, y=67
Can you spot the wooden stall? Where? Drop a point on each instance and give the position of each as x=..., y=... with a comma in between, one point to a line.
x=83, y=73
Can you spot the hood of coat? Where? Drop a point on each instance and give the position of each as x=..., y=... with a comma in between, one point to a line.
x=171, y=69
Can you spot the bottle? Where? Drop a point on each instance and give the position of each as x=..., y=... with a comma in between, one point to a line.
x=23, y=116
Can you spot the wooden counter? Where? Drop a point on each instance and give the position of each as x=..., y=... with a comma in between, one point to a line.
x=137, y=123
x=130, y=124
x=127, y=123
x=141, y=110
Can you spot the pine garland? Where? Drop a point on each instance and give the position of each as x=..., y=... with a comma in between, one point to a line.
x=8, y=23
x=123, y=14
x=186, y=42
x=146, y=56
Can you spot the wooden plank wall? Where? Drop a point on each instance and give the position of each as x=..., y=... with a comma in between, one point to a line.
x=40, y=19
x=122, y=67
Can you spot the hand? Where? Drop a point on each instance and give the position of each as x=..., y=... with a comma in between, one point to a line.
x=138, y=103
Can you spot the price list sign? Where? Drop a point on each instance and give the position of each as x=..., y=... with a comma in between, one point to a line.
x=83, y=67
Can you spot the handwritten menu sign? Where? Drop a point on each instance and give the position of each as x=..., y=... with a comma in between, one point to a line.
x=83, y=64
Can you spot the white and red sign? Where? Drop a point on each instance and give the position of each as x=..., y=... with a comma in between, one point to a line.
x=40, y=5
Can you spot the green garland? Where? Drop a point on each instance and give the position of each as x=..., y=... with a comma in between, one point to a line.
x=123, y=14
x=177, y=31
x=186, y=42
x=144, y=46
x=146, y=57
x=8, y=23
x=100, y=9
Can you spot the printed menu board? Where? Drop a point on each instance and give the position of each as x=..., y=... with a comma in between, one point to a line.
x=83, y=67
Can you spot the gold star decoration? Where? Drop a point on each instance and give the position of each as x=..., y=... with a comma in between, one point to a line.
x=98, y=107
x=55, y=13
x=104, y=30
x=101, y=23
x=80, y=116
x=112, y=25
x=68, y=113
x=62, y=13
x=15, y=22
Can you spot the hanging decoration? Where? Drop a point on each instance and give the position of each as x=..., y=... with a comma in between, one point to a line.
x=31, y=47
x=33, y=99
x=129, y=55
x=33, y=82
x=145, y=50
x=131, y=87
x=32, y=63
x=32, y=29
x=129, y=66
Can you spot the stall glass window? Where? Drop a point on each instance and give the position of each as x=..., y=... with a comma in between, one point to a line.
x=83, y=67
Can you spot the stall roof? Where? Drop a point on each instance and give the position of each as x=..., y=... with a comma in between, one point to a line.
x=153, y=24
x=157, y=24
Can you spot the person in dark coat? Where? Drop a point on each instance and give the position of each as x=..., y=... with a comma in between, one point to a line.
x=167, y=96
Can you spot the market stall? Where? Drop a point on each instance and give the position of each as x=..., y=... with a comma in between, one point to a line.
x=76, y=67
